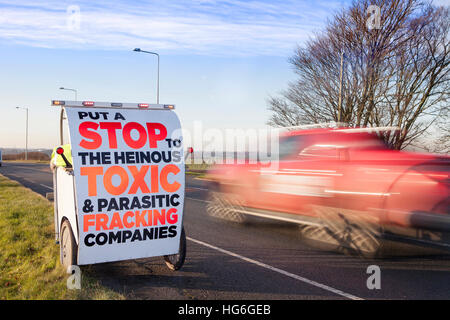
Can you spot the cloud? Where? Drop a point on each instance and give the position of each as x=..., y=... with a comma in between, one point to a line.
x=229, y=27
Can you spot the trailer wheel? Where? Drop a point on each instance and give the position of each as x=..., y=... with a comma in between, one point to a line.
x=68, y=246
x=176, y=261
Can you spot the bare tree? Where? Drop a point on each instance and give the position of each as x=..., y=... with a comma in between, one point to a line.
x=396, y=75
x=439, y=140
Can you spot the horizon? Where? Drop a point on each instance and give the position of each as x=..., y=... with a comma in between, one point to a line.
x=220, y=60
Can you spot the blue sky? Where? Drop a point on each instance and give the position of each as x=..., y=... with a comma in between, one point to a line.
x=220, y=60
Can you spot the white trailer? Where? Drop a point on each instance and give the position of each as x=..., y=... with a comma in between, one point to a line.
x=119, y=184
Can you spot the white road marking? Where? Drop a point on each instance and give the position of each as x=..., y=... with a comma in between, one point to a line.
x=204, y=189
x=291, y=275
x=46, y=186
x=204, y=179
x=263, y=265
x=31, y=181
x=205, y=201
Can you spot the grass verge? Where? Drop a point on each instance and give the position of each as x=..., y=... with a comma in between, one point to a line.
x=29, y=258
x=198, y=170
x=28, y=161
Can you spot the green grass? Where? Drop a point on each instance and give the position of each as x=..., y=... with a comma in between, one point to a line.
x=29, y=257
x=29, y=161
x=198, y=166
x=198, y=170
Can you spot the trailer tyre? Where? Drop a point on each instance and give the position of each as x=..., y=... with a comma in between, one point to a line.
x=68, y=245
x=176, y=261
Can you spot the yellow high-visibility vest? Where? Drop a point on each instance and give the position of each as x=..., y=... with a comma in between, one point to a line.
x=58, y=159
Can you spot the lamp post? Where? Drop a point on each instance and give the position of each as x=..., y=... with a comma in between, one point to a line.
x=157, y=88
x=74, y=90
x=341, y=74
x=26, y=133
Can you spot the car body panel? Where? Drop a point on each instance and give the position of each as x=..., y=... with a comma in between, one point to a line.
x=350, y=171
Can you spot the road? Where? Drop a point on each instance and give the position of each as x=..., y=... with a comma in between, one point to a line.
x=258, y=260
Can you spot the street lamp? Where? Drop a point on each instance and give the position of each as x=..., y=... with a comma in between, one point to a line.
x=157, y=89
x=74, y=90
x=26, y=134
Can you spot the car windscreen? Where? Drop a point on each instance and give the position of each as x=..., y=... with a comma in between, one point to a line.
x=289, y=146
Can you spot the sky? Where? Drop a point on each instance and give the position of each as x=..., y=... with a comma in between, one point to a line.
x=220, y=60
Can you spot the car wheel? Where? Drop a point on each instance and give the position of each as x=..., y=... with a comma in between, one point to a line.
x=176, y=261
x=224, y=206
x=354, y=233
x=68, y=246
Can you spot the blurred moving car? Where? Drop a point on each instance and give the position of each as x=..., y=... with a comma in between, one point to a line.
x=345, y=186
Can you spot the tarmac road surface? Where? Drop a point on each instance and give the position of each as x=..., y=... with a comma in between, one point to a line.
x=262, y=259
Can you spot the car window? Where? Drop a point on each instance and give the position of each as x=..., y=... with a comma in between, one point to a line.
x=366, y=141
x=319, y=151
x=289, y=146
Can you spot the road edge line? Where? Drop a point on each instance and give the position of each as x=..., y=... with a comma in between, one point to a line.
x=291, y=275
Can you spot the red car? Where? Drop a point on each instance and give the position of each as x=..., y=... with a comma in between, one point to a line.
x=345, y=185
